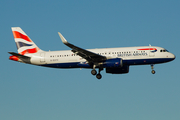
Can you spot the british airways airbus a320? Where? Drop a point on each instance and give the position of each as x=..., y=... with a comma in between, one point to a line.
x=114, y=60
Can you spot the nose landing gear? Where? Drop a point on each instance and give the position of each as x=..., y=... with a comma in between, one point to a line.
x=153, y=71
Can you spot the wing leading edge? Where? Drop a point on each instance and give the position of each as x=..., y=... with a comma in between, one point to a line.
x=88, y=55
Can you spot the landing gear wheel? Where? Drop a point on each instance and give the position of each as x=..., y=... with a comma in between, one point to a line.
x=98, y=76
x=153, y=72
x=93, y=72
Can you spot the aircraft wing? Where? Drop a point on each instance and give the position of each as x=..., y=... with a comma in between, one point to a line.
x=88, y=55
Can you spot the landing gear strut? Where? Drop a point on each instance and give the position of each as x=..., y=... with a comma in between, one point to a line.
x=94, y=72
x=153, y=71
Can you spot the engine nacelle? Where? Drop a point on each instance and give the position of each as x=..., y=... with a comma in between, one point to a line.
x=115, y=62
x=122, y=70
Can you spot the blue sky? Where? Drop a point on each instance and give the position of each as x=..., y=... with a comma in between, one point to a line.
x=31, y=92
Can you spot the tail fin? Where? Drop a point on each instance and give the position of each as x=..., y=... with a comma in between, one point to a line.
x=24, y=44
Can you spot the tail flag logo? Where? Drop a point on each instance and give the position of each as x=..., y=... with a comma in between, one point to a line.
x=24, y=44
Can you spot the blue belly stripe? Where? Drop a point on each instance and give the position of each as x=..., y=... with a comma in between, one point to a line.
x=125, y=62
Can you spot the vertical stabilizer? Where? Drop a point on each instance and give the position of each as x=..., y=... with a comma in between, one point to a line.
x=24, y=44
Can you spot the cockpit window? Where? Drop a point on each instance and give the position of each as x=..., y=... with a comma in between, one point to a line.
x=164, y=50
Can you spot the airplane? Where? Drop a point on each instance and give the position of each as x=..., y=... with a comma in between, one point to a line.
x=114, y=60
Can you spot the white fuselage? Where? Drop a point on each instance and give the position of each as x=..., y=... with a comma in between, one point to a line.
x=130, y=56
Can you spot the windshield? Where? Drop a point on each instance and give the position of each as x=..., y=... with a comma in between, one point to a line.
x=164, y=50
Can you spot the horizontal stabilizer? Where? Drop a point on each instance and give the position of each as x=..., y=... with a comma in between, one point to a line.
x=19, y=55
x=24, y=58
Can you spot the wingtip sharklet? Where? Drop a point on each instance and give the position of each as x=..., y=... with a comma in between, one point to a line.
x=62, y=38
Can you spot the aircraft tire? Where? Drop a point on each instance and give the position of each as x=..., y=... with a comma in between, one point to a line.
x=98, y=76
x=153, y=72
x=93, y=72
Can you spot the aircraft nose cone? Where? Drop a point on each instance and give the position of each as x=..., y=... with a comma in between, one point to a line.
x=172, y=56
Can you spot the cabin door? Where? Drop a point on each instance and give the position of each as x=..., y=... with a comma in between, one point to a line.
x=42, y=59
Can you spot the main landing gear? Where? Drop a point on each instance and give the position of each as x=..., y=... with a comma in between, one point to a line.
x=94, y=72
x=153, y=71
